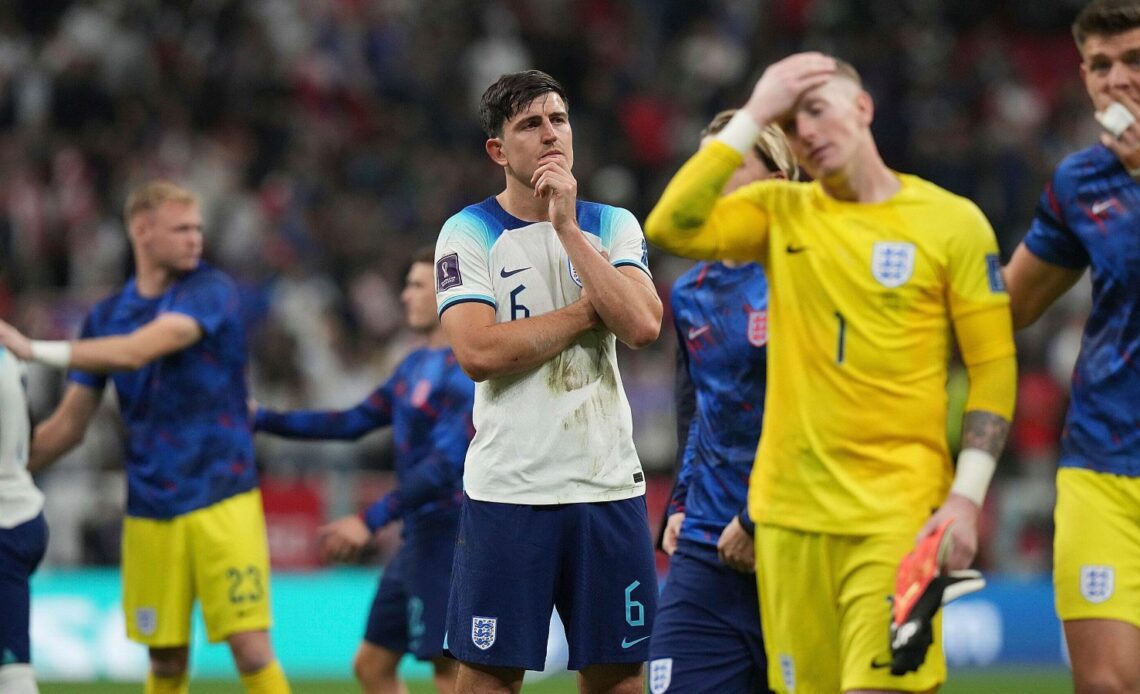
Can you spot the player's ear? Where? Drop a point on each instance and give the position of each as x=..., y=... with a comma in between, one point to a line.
x=494, y=147
x=865, y=107
x=136, y=227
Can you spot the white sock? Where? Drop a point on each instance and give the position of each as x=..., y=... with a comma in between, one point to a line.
x=18, y=678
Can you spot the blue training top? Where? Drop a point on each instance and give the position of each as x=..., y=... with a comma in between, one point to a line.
x=188, y=435
x=721, y=317
x=1088, y=216
x=427, y=401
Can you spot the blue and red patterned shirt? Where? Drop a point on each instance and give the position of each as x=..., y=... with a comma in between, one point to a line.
x=721, y=318
x=1089, y=215
x=188, y=436
x=427, y=401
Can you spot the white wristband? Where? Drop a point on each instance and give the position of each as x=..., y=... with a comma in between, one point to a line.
x=740, y=133
x=55, y=353
x=972, y=479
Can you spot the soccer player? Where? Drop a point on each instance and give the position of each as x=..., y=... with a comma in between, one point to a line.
x=1086, y=219
x=427, y=402
x=173, y=344
x=533, y=285
x=870, y=273
x=23, y=532
x=706, y=636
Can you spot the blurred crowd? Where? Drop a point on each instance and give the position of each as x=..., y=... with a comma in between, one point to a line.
x=329, y=139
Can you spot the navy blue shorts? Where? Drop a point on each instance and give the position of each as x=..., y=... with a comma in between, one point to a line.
x=409, y=611
x=515, y=563
x=21, y=549
x=707, y=634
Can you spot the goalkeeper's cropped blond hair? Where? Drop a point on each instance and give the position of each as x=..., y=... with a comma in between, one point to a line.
x=150, y=196
x=771, y=145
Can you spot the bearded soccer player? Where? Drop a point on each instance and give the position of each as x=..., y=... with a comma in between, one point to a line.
x=173, y=343
x=870, y=273
x=1086, y=219
x=534, y=288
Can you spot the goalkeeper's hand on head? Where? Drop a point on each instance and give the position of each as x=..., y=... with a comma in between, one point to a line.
x=922, y=585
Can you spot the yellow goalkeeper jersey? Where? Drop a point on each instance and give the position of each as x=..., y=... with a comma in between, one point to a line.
x=862, y=302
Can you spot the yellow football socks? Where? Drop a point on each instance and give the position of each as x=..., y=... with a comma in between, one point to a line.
x=179, y=684
x=268, y=680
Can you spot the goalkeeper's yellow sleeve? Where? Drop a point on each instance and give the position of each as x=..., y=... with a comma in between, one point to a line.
x=692, y=219
x=985, y=339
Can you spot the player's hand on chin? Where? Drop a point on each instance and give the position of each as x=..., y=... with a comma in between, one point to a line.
x=963, y=532
x=554, y=183
x=344, y=539
x=1126, y=146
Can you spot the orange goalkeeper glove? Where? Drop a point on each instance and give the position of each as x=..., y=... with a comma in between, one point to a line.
x=922, y=586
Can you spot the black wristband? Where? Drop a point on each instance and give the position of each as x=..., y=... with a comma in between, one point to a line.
x=746, y=523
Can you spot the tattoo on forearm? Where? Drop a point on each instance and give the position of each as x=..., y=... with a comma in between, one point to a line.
x=984, y=430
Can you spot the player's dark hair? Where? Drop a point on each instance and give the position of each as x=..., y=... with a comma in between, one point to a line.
x=510, y=94
x=425, y=254
x=1106, y=18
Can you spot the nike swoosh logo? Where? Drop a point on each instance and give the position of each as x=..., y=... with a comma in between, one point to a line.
x=505, y=274
x=1101, y=206
x=627, y=644
x=694, y=333
x=796, y=249
x=879, y=666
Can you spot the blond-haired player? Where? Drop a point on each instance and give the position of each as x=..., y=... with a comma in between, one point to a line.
x=173, y=343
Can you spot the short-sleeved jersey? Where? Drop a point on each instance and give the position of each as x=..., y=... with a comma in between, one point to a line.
x=186, y=414
x=20, y=501
x=1088, y=216
x=562, y=432
x=427, y=401
x=721, y=317
x=862, y=297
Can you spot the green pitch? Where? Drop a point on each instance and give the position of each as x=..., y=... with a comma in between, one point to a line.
x=1007, y=681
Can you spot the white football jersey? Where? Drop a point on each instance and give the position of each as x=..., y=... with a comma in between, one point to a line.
x=562, y=432
x=20, y=501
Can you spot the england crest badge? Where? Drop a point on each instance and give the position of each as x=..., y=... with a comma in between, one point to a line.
x=483, y=632
x=660, y=675
x=146, y=620
x=1097, y=582
x=757, y=326
x=892, y=262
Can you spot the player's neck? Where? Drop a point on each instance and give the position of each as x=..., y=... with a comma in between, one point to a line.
x=435, y=338
x=519, y=201
x=866, y=181
x=152, y=280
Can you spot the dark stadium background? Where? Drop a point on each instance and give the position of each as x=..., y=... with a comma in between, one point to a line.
x=330, y=138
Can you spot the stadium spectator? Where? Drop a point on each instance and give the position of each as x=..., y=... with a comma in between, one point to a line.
x=869, y=271
x=427, y=402
x=23, y=532
x=533, y=286
x=1084, y=220
x=173, y=344
x=706, y=637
